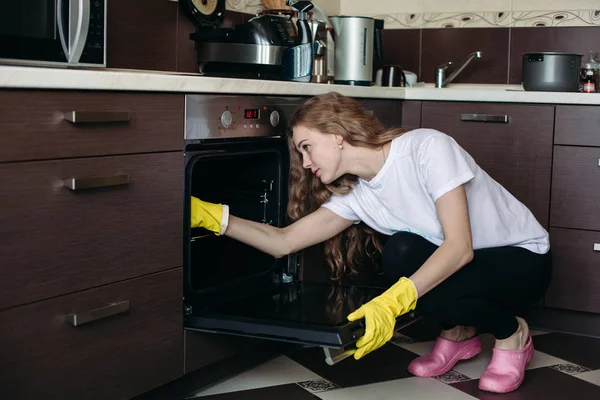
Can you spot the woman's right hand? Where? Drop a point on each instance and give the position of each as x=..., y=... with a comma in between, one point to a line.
x=211, y=216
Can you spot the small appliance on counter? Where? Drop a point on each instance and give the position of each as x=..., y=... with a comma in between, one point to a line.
x=551, y=72
x=269, y=46
x=55, y=33
x=355, y=39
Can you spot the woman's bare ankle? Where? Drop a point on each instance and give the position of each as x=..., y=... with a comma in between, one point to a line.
x=517, y=340
x=459, y=333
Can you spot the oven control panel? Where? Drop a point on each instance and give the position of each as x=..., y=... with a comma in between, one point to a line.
x=212, y=117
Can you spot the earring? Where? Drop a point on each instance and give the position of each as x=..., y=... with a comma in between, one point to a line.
x=341, y=146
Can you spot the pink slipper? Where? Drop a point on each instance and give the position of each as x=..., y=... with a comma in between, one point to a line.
x=507, y=369
x=444, y=355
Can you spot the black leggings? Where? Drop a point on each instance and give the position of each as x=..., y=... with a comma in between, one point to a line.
x=487, y=293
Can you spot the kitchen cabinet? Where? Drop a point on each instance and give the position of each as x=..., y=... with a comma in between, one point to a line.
x=576, y=188
x=576, y=274
x=575, y=210
x=511, y=142
x=113, y=357
x=388, y=111
x=411, y=114
x=35, y=124
x=577, y=125
x=91, y=224
x=58, y=240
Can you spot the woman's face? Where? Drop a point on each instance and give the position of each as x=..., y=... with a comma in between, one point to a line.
x=320, y=152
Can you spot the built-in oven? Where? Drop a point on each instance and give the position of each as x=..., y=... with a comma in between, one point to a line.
x=53, y=32
x=236, y=154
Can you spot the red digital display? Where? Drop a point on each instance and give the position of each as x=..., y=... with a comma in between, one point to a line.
x=251, y=113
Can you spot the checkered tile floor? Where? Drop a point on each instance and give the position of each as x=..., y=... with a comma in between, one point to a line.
x=564, y=367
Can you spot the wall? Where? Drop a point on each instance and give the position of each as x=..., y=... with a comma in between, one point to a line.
x=154, y=34
x=160, y=39
x=477, y=13
x=421, y=34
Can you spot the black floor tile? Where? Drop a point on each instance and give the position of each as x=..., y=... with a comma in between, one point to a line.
x=387, y=363
x=541, y=383
x=287, y=392
x=580, y=350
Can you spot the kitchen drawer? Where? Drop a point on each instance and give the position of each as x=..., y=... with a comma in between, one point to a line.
x=576, y=188
x=116, y=357
x=576, y=270
x=56, y=241
x=578, y=125
x=516, y=153
x=33, y=126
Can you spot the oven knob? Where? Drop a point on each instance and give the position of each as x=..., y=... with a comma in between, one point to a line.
x=226, y=119
x=274, y=118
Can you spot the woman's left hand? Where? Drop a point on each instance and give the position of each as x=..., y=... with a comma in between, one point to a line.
x=380, y=315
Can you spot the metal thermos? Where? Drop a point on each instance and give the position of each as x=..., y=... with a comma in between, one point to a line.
x=353, y=37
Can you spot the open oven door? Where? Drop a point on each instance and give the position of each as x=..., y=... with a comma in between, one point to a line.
x=232, y=288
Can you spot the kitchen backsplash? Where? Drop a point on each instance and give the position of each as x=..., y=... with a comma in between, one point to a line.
x=160, y=40
x=421, y=50
x=477, y=13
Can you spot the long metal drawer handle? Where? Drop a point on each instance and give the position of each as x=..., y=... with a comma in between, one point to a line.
x=484, y=118
x=86, y=117
x=96, y=182
x=98, y=314
x=596, y=246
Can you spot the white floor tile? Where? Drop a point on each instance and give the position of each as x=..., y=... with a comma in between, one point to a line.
x=591, y=377
x=408, y=388
x=475, y=367
x=279, y=371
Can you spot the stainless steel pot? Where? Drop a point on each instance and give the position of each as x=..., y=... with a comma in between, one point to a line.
x=551, y=71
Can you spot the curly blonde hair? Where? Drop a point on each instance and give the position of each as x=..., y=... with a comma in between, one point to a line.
x=334, y=113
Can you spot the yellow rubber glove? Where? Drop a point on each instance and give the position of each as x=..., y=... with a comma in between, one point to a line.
x=211, y=216
x=380, y=315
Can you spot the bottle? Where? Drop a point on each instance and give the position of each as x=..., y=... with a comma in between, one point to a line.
x=589, y=82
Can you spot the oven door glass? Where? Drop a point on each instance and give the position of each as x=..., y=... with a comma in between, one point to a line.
x=232, y=288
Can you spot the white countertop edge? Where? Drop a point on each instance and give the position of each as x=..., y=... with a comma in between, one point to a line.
x=78, y=79
x=18, y=77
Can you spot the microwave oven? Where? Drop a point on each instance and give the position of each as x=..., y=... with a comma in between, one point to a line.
x=53, y=32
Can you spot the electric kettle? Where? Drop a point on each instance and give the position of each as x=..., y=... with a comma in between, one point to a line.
x=354, y=38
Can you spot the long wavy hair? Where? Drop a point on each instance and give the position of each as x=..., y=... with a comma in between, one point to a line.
x=333, y=113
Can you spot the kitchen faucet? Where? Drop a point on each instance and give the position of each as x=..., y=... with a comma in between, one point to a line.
x=440, y=72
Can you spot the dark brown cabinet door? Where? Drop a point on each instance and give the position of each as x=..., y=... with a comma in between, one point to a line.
x=576, y=188
x=578, y=125
x=576, y=270
x=42, y=356
x=516, y=153
x=57, y=241
x=388, y=111
x=33, y=124
x=411, y=114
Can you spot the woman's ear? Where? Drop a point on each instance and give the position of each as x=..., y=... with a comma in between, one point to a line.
x=339, y=139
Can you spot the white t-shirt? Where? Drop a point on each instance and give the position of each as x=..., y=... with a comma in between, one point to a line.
x=422, y=165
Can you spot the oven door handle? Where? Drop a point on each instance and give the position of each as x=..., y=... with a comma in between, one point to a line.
x=80, y=17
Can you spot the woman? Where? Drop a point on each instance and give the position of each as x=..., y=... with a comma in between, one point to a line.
x=460, y=247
